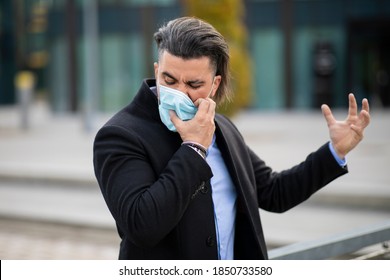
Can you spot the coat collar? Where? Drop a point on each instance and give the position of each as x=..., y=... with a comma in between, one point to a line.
x=146, y=100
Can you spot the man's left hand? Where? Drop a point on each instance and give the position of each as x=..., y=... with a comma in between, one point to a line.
x=345, y=135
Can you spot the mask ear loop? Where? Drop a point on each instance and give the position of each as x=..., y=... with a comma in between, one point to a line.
x=212, y=87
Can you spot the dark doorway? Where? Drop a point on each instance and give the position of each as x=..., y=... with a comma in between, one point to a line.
x=369, y=60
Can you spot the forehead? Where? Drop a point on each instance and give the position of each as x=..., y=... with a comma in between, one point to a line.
x=190, y=67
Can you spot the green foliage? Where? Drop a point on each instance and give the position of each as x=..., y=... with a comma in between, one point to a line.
x=226, y=16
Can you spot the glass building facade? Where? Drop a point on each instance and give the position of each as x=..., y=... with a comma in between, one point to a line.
x=304, y=52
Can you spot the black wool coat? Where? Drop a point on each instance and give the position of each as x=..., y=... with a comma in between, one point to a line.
x=159, y=191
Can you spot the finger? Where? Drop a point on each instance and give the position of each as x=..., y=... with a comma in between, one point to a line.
x=207, y=106
x=328, y=114
x=364, y=117
x=212, y=106
x=174, y=118
x=203, y=105
x=352, y=111
x=198, y=102
x=365, y=105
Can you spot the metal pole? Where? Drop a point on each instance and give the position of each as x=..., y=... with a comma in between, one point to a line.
x=147, y=31
x=71, y=36
x=91, y=57
x=287, y=26
x=24, y=83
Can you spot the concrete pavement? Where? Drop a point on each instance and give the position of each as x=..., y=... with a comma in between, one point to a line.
x=46, y=172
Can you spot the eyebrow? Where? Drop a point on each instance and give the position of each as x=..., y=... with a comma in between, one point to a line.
x=196, y=82
x=191, y=82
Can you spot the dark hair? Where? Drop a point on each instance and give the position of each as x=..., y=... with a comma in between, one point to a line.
x=189, y=38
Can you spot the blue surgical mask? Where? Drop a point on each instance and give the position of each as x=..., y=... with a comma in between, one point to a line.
x=172, y=99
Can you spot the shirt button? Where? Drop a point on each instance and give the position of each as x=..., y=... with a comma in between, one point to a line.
x=210, y=241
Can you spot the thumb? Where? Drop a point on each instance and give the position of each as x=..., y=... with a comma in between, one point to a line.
x=174, y=118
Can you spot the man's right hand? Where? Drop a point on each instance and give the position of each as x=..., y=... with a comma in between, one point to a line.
x=201, y=128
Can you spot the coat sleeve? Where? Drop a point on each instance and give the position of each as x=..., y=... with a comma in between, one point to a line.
x=145, y=204
x=280, y=191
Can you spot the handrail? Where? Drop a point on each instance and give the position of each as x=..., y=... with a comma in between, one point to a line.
x=333, y=246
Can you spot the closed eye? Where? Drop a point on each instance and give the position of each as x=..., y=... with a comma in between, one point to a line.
x=195, y=85
x=170, y=82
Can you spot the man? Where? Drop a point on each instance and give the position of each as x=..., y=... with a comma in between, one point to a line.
x=179, y=179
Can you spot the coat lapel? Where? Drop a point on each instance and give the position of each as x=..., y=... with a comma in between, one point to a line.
x=238, y=162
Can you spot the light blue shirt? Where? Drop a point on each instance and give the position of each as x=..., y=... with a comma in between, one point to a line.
x=341, y=161
x=224, y=199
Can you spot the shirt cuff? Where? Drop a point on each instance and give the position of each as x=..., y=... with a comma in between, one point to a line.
x=340, y=161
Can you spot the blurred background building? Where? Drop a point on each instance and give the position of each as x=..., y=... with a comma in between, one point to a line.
x=95, y=53
x=81, y=60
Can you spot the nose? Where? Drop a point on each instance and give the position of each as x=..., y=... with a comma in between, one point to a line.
x=183, y=88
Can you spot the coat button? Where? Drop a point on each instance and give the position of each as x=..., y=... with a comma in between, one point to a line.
x=210, y=241
x=204, y=188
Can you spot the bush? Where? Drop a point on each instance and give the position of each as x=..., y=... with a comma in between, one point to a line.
x=226, y=16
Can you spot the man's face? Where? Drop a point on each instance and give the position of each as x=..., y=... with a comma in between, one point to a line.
x=194, y=77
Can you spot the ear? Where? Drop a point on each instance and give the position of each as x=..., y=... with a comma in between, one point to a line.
x=216, y=83
x=155, y=70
